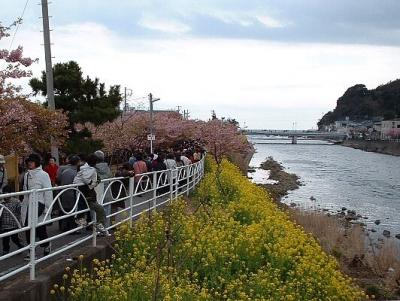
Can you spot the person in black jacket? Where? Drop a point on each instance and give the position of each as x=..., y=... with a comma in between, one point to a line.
x=160, y=166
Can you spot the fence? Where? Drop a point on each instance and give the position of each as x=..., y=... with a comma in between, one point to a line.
x=131, y=196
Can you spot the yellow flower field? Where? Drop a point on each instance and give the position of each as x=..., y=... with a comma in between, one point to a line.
x=230, y=243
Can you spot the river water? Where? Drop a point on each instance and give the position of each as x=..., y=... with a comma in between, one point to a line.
x=337, y=176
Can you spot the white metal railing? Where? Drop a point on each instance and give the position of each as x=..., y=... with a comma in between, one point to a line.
x=142, y=193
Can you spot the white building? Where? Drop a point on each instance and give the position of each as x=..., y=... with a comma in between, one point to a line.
x=390, y=127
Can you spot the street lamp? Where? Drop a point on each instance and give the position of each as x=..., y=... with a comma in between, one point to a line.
x=151, y=101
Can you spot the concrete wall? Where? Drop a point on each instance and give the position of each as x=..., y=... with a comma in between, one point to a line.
x=21, y=288
x=383, y=147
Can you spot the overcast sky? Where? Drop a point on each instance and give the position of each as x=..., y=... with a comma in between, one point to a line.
x=266, y=63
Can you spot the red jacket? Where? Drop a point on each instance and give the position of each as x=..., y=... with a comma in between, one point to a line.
x=52, y=171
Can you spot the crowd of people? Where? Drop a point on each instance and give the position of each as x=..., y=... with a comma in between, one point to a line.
x=85, y=170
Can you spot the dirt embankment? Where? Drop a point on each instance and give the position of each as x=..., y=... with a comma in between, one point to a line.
x=242, y=160
x=382, y=147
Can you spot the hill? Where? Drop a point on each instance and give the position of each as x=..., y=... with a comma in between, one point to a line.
x=359, y=103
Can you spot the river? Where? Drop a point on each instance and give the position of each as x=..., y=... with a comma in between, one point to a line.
x=337, y=176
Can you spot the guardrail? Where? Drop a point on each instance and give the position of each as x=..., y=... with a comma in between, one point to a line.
x=135, y=195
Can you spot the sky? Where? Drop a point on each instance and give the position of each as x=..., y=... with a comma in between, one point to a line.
x=270, y=64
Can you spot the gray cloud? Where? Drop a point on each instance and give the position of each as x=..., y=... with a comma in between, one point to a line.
x=374, y=22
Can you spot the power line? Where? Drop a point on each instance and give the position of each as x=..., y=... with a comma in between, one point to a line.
x=18, y=24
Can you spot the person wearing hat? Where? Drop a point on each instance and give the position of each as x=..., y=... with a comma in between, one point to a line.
x=3, y=174
x=37, y=178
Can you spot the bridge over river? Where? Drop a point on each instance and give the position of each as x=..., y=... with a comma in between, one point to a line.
x=296, y=134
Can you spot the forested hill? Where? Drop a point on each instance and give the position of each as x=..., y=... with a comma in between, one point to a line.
x=360, y=103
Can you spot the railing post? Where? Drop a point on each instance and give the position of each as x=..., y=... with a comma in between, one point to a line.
x=131, y=191
x=99, y=199
x=187, y=180
x=32, y=222
x=155, y=191
x=177, y=184
x=171, y=185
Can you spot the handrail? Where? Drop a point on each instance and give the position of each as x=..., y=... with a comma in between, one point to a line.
x=144, y=193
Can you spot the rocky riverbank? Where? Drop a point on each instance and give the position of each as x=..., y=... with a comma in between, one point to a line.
x=284, y=181
x=382, y=147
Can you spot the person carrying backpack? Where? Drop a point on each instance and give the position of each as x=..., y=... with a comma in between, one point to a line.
x=88, y=179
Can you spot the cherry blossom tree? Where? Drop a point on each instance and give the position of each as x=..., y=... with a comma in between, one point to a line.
x=24, y=125
x=27, y=126
x=15, y=64
x=222, y=138
x=130, y=132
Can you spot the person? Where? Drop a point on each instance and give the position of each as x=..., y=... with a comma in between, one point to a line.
x=149, y=162
x=104, y=172
x=132, y=160
x=189, y=155
x=153, y=161
x=139, y=167
x=10, y=220
x=88, y=179
x=160, y=166
x=185, y=159
x=196, y=155
x=52, y=169
x=3, y=173
x=124, y=171
x=170, y=162
x=61, y=168
x=178, y=160
x=37, y=178
x=68, y=198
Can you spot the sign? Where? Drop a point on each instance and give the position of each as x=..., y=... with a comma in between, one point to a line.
x=151, y=137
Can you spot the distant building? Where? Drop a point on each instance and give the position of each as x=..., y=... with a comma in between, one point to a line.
x=390, y=129
x=132, y=110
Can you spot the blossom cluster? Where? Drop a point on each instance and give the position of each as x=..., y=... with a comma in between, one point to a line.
x=130, y=132
x=27, y=126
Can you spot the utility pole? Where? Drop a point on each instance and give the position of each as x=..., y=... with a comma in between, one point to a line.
x=49, y=69
x=151, y=101
x=127, y=91
x=185, y=114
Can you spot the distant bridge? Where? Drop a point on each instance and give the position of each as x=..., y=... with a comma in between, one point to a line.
x=295, y=134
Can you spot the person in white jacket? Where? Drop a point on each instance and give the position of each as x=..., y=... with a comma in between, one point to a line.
x=88, y=179
x=37, y=178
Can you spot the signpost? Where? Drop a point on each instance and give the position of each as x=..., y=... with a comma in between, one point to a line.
x=151, y=137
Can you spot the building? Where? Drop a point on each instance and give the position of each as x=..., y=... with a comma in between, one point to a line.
x=390, y=129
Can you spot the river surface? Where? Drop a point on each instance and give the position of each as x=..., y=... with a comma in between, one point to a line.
x=337, y=176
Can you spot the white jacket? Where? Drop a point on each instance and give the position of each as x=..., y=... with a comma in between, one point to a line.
x=37, y=179
x=86, y=175
x=186, y=160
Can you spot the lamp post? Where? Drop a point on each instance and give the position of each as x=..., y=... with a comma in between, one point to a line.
x=151, y=101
